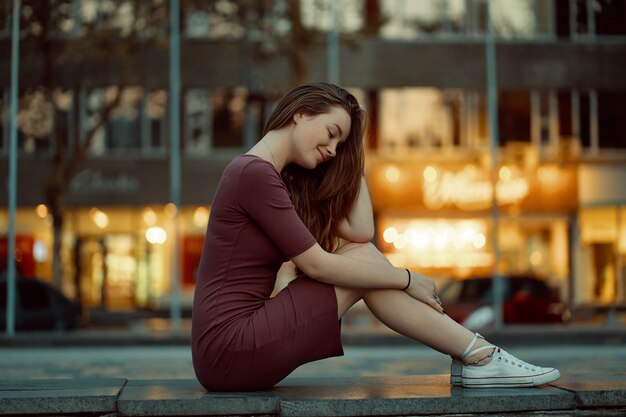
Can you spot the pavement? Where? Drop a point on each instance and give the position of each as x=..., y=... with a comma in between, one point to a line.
x=580, y=392
x=577, y=395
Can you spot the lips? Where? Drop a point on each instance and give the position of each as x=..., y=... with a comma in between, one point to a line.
x=321, y=154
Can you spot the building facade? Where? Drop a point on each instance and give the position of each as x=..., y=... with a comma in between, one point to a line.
x=419, y=69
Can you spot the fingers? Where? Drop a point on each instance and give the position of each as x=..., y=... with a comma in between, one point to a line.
x=427, y=293
x=435, y=305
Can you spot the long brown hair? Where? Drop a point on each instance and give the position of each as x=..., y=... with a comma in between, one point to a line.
x=323, y=196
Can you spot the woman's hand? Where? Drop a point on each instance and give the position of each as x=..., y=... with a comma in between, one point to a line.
x=423, y=289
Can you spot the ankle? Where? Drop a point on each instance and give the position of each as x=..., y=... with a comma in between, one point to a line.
x=482, y=357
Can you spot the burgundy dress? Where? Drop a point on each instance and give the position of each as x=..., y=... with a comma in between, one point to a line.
x=243, y=340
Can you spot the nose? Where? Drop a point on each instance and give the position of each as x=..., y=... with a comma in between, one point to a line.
x=331, y=150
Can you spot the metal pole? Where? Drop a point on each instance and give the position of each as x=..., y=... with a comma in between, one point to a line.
x=492, y=103
x=332, y=50
x=174, y=96
x=11, y=273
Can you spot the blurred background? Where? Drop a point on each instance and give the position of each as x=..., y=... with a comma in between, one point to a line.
x=102, y=242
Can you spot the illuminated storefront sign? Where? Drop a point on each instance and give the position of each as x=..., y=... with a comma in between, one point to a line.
x=89, y=181
x=414, y=185
x=469, y=189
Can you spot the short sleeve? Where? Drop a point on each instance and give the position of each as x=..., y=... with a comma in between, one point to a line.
x=264, y=197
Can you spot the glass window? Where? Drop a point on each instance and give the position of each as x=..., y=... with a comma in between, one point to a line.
x=418, y=117
x=611, y=120
x=585, y=119
x=91, y=105
x=124, y=128
x=64, y=122
x=407, y=19
x=155, y=117
x=565, y=114
x=198, y=131
x=4, y=121
x=35, y=121
x=514, y=18
x=228, y=117
x=5, y=18
x=610, y=16
x=214, y=19
x=514, y=117
x=138, y=123
x=317, y=14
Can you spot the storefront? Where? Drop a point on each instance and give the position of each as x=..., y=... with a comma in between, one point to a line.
x=117, y=257
x=601, y=248
x=118, y=230
x=436, y=216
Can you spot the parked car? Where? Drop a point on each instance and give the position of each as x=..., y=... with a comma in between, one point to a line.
x=39, y=306
x=527, y=299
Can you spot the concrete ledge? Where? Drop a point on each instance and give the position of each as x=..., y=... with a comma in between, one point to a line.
x=410, y=395
x=574, y=394
x=594, y=391
x=59, y=397
x=188, y=398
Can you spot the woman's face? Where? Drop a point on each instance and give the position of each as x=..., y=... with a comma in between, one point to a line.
x=316, y=138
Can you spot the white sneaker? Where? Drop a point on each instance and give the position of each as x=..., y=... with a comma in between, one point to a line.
x=456, y=372
x=456, y=368
x=505, y=370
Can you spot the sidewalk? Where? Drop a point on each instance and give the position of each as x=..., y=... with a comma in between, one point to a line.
x=573, y=395
x=159, y=332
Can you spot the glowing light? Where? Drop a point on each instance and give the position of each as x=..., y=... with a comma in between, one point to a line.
x=200, y=216
x=430, y=174
x=42, y=211
x=171, y=210
x=479, y=240
x=40, y=251
x=149, y=217
x=536, y=258
x=392, y=174
x=548, y=174
x=99, y=217
x=505, y=173
x=156, y=235
x=438, y=243
x=400, y=242
x=441, y=240
x=468, y=234
x=390, y=234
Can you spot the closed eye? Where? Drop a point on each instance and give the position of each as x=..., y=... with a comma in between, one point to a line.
x=330, y=135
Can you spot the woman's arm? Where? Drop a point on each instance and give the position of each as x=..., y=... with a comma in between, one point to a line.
x=343, y=271
x=359, y=225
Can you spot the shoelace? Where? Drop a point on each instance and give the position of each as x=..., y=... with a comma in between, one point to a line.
x=508, y=358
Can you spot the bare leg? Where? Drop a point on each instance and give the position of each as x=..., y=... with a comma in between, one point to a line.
x=402, y=313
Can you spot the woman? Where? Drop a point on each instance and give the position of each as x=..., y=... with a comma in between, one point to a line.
x=299, y=194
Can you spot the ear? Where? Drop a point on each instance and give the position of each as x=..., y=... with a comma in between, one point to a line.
x=297, y=117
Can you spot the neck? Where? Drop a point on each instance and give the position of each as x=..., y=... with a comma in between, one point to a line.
x=274, y=145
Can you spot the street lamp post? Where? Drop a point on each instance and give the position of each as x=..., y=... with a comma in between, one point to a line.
x=332, y=49
x=174, y=101
x=11, y=273
x=492, y=104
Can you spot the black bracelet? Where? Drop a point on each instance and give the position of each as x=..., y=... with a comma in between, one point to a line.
x=409, y=283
